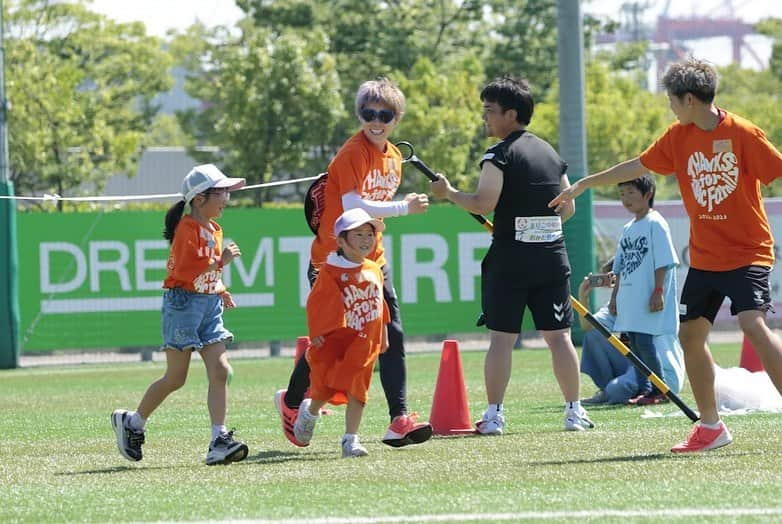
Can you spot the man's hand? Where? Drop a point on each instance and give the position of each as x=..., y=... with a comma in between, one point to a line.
x=441, y=187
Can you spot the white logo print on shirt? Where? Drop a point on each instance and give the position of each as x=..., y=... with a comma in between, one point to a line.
x=712, y=179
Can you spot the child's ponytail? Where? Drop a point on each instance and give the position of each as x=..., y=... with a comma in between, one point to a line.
x=173, y=216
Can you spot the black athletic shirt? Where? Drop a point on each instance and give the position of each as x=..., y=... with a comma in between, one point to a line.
x=531, y=172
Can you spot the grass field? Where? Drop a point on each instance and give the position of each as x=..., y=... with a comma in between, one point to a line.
x=59, y=462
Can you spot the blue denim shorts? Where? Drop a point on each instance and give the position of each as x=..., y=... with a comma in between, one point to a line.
x=192, y=320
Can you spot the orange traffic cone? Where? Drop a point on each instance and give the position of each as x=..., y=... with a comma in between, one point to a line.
x=749, y=357
x=302, y=343
x=450, y=413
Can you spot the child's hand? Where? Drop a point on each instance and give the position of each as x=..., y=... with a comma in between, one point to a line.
x=656, y=301
x=416, y=203
x=317, y=341
x=228, y=300
x=230, y=252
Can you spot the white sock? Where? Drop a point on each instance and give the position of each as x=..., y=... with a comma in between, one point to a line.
x=494, y=409
x=349, y=436
x=717, y=425
x=573, y=406
x=217, y=430
x=136, y=423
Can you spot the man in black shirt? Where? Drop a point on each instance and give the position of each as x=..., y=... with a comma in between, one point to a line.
x=527, y=264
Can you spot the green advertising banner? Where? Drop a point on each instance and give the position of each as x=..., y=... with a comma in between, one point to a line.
x=93, y=280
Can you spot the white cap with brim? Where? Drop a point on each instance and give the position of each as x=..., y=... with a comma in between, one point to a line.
x=207, y=176
x=353, y=218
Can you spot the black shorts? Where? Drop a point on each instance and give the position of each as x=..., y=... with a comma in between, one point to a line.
x=704, y=291
x=504, y=302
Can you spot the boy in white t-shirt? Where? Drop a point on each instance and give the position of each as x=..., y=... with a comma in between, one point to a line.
x=644, y=298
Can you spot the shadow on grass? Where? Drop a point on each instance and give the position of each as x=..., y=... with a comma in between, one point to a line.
x=116, y=469
x=713, y=455
x=280, y=457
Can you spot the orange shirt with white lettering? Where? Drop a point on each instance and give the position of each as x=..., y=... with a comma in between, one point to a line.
x=361, y=167
x=719, y=174
x=194, y=249
x=346, y=308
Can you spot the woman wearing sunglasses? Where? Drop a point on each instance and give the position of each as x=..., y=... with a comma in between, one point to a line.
x=365, y=174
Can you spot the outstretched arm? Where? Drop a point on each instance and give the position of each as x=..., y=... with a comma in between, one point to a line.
x=628, y=170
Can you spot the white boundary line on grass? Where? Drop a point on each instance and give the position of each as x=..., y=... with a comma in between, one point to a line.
x=535, y=515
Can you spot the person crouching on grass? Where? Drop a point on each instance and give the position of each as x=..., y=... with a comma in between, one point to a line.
x=346, y=318
x=193, y=313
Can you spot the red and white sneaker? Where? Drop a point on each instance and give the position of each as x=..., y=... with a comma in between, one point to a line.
x=703, y=439
x=404, y=430
x=288, y=417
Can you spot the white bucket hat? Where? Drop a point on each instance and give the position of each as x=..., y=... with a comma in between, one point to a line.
x=207, y=176
x=353, y=218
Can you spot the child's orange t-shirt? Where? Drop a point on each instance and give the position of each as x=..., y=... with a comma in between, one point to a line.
x=719, y=174
x=346, y=308
x=194, y=248
x=361, y=167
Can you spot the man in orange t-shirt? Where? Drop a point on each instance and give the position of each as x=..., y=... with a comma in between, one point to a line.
x=365, y=174
x=719, y=160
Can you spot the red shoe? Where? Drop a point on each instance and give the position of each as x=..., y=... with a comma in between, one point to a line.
x=404, y=430
x=288, y=418
x=634, y=400
x=703, y=439
x=652, y=399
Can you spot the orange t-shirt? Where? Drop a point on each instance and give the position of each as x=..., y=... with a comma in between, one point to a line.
x=361, y=167
x=346, y=308
x=719, y=174
x=195, y=247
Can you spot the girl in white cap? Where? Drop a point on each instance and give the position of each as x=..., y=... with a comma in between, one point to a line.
x=347, y=317
x=192, y=313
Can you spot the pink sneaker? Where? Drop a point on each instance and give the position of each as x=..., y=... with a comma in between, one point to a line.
x=703, y=439
x=404, y=430
x=288, y=418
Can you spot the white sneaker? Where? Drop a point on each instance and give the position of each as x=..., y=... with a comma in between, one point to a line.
x=491, y=424
x=304, y=426
x=351, y=447
x=578, y=420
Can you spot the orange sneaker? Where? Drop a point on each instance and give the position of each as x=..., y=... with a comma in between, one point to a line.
x=404, y=430
x=703, y=439
x=288, y=418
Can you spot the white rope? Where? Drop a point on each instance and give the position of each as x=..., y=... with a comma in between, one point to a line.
x=123, y=198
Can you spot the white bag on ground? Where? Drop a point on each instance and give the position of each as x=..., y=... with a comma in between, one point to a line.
x=740, y=390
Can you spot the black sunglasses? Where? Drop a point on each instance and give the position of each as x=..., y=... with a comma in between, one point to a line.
x=369, y=115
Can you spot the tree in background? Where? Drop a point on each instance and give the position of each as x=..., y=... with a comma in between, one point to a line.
x=271, y=99
x=80, y=88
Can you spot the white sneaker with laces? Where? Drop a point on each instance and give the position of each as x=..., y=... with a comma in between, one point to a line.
x=351, y=447
x=578, y=420
x=491, y=424
x=304, y=426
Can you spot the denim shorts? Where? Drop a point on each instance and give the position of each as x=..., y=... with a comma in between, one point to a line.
x=192, y=320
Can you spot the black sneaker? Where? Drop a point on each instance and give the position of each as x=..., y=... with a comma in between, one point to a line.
x=224, y=450
x=129, y=441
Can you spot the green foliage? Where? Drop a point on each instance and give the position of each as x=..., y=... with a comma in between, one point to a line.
x=622, y=119
x=273, y=98
x=81, y=88
x=442, y=120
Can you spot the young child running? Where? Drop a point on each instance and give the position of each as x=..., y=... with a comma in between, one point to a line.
x=346, y=317
x=192, y=313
